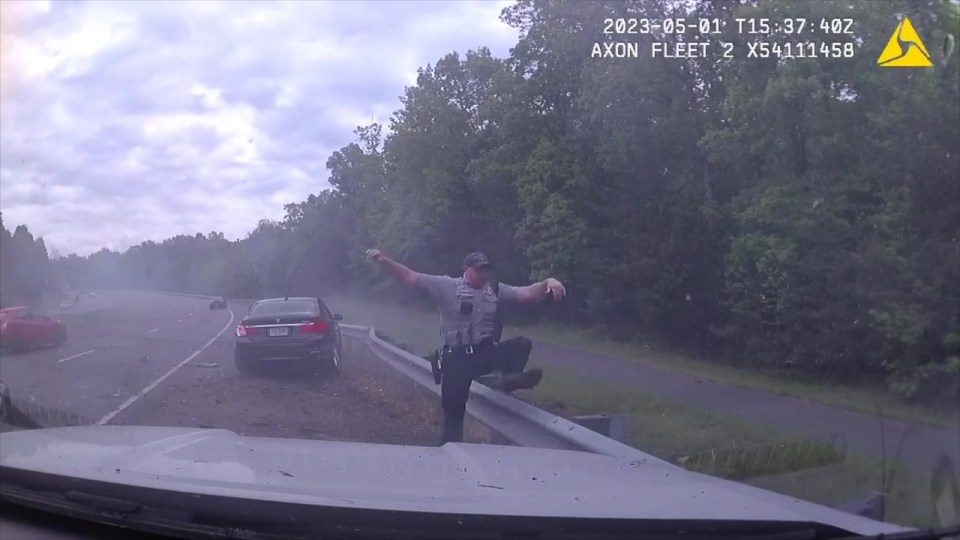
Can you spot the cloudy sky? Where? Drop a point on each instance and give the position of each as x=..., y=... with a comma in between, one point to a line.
x=124, y=121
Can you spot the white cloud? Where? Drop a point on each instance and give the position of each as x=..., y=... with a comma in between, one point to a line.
x=130, y=121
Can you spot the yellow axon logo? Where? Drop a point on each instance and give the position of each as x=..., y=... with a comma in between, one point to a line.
x=905, y=48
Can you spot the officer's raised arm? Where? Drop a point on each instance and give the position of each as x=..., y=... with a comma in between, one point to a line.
x=432, y=285
x=403, y=274
x=533, y=293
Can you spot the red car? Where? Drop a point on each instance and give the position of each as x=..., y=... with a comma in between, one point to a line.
x=23, y=328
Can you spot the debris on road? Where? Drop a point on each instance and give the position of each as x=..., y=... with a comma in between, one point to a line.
x=208, y=364
x=369, y=401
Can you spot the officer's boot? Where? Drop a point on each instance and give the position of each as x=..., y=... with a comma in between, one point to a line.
x=493, y=379
x=522, y=381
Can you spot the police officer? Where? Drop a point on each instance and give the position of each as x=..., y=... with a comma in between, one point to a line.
x=468, y=324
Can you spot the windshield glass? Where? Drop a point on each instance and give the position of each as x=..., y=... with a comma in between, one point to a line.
x=720, y=237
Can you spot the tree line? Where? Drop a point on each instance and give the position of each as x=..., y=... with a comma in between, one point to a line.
x=796, y=216
x=26, y=274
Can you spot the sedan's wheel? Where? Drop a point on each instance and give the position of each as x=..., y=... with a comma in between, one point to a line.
x=335, y=361
x=244, y=365
x=16, y=345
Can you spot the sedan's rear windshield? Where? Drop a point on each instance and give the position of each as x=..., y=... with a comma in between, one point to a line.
x=282, y=307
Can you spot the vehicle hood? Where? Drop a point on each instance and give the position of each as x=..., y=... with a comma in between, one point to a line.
x=454, y=478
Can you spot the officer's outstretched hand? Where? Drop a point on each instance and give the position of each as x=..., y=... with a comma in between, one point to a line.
x=374, y=254
x=556, y=289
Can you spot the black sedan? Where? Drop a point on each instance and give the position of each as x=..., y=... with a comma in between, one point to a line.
x=218, y=303
x=287, y=330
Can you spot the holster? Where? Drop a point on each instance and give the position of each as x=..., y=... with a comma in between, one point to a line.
x=436, y=356
x=435, y=368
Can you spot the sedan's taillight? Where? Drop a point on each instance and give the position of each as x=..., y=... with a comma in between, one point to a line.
x=314, y=326
x=243, y=331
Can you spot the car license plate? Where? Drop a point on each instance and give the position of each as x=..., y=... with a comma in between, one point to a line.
x=278, y=331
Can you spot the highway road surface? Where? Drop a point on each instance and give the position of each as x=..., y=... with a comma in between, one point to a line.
x=159, y=359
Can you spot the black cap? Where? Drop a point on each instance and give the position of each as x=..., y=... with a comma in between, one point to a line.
x=476, y=259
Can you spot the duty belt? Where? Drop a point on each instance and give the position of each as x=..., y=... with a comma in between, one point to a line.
x=469, y=349
x=436, y=357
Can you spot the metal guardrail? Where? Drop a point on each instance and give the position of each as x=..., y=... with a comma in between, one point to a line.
x=48, y=416
x=516, y=420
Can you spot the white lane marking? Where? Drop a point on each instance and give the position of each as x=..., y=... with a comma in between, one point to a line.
x=152, y=331
x=179, y=320
x=163, y=377
x=77, y=355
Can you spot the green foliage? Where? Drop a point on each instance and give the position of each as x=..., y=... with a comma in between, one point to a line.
x=26, y=274
x=778, y=458
x=798, y=216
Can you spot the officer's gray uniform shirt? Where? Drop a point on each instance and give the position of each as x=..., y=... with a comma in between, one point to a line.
x=449, y=293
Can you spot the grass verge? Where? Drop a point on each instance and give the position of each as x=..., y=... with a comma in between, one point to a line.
x=418, y=328
x=669, y=430
x=859, y=399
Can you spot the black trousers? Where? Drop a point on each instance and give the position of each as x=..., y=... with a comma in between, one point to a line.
x=459, y=370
